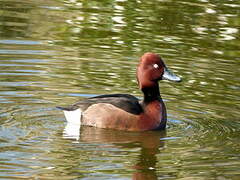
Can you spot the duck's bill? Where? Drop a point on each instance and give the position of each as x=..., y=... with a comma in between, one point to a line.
x=168, y=75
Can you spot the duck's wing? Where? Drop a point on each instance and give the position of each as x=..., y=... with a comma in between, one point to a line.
x=125, y=102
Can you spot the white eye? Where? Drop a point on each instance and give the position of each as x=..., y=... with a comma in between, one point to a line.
x=156, y=66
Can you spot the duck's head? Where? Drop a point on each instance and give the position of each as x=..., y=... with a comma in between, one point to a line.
x=151, y=69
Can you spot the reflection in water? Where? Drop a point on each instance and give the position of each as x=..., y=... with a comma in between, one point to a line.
x=148, y=144
x=71, y=131
x=146, y=166
x=55, y=50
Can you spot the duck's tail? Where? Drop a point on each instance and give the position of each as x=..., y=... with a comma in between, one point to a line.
x=72, y=115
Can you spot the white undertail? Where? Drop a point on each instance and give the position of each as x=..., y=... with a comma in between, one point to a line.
x=72, y=128
x=73, y=117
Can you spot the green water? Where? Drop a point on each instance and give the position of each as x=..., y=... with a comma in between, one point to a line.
x=55, y=52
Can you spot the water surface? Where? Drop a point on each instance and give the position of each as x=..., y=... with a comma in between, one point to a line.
x=56, y=52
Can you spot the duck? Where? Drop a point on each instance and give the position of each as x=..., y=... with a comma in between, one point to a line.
x=124, y=111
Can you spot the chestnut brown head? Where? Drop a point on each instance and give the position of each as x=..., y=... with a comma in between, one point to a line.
x=151, y=69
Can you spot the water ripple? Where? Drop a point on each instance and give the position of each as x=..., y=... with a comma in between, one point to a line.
x=56, y=52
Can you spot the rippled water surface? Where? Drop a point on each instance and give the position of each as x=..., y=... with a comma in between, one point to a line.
x=54, y=52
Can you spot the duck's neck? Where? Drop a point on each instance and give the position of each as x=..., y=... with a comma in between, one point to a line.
x=151, y=93
x=154, y=116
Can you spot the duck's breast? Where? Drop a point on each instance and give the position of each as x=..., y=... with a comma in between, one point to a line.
x=154, y=116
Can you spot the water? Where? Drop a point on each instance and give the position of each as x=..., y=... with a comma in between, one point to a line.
x=56, y=52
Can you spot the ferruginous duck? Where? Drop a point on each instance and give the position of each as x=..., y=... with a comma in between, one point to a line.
x=124, y=111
